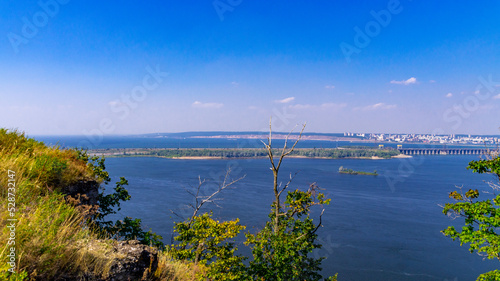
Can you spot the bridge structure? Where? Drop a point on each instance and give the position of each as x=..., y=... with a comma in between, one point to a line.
x=442, y=151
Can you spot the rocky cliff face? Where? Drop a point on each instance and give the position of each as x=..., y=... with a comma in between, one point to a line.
x=128, y=260
x=84, y=195
x=139, y=262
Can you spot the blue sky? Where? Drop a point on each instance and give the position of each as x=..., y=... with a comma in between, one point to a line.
x=93, y=67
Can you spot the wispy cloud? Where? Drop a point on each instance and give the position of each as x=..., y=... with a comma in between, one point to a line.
x=287, y=100
x=329, y=87
x=377, y=106
x=198, y=104
x=235, y=84
x=409, y=81
x=432, y=81
x=449, y=95
x=330, y=105
x=300, y=106
x=497, y=97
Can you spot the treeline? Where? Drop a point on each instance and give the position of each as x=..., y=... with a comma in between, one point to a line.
x=343, y=170
x=334, y=153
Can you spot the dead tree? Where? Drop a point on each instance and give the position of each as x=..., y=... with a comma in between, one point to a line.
x=275, y=167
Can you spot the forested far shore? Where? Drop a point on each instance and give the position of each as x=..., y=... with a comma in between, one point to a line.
x=227, y=153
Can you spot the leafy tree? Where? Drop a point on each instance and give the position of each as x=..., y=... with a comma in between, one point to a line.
x=284, y=254
x=482, y=217
x=281, y=249
x=206, y=242
x=127, y=228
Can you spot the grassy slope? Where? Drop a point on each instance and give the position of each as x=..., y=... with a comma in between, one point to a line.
x=50, y=232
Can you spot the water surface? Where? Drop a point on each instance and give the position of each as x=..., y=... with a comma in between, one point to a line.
x=377, y=228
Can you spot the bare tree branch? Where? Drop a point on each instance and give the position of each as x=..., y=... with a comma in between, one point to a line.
x=288, y=183
x=320, y=223
x=209, y=199
x=284, y=152
x=199, y=200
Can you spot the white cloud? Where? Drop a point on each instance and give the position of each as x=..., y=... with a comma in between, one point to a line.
x=449, y=95
x=235, y=84
x=497, y=97
x=300, y=106
x=409, y=81
x=329, y=87
x=377, y=106
x=329, y=105
x=432, y=81
x=198, y=104
x=252, y=107
x=287, y=100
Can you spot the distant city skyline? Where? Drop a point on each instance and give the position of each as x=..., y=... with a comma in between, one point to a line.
x=98, y=68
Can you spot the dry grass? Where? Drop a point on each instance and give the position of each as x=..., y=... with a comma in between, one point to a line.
x=47, y=228
x=52, y=239
x=170, y=269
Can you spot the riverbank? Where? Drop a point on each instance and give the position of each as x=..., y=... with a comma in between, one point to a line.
x=249, y=153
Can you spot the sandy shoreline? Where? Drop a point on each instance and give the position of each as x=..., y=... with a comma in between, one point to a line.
x=402, y=156
x=293, y=156
x=196, y=157
x=131, y=154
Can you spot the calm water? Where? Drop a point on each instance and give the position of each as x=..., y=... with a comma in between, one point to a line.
x=179, y=141
x=377, y=228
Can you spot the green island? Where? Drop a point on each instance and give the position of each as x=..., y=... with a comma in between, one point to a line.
x=229, y=153
x=343, y=170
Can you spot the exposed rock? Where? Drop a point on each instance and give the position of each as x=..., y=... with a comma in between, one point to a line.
x=139, y=263
x=125, y=261
x=128, y=260
x=84, y=195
